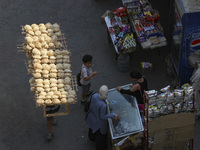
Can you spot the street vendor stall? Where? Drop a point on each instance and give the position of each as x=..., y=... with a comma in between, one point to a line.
x=145, y=23
x=119, y=31
x=169, y=119
x=48, y=61
x=124, y=132
x=120, y=34
x=136, y=20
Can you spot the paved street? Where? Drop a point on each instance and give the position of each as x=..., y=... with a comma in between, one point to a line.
x=23, y=126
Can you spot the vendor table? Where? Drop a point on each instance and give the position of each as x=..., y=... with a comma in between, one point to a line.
x=136, y=11
x=112, y=37
x=162, y=41
x=130, y=122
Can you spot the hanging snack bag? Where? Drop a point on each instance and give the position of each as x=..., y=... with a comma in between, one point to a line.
x=178, y=95
x=190, y=106
x=178, y=107
x=152, y=96
x=152, y=110
x=185, y=107
x=151, y=93
x=179, y=92
x=170, y=97
x=162, y=96
x=185, y=86
x=163, y=110
x=170, y=107
x=189, y=91
x=165, y=89
x=157, y=112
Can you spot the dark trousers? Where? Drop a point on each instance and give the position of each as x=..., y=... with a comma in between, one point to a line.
x=99, y=138
x=91, y=135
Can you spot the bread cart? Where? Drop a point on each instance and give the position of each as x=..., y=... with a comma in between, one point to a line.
x=125, y=133
x=48, y=61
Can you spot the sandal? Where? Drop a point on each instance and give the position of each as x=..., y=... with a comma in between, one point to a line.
x=54, y=123
x=50, y=136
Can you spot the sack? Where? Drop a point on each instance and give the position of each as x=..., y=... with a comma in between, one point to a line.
x=78, y=79
x=87, y=105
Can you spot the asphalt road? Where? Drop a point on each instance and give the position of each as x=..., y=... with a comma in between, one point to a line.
x=23, y=126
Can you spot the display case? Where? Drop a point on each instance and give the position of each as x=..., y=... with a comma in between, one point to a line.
x=185, y=37
x=126, y=106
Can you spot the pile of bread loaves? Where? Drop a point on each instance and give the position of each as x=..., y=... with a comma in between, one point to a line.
x=49, y=64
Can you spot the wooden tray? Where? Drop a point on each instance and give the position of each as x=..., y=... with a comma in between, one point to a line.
x=66, y=111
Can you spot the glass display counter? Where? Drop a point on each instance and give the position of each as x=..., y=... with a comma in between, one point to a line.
x=126, y=106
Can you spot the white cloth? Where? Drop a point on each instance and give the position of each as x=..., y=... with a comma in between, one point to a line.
x=103, y=92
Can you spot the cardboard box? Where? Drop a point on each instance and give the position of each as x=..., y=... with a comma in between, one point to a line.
x=172, y=132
